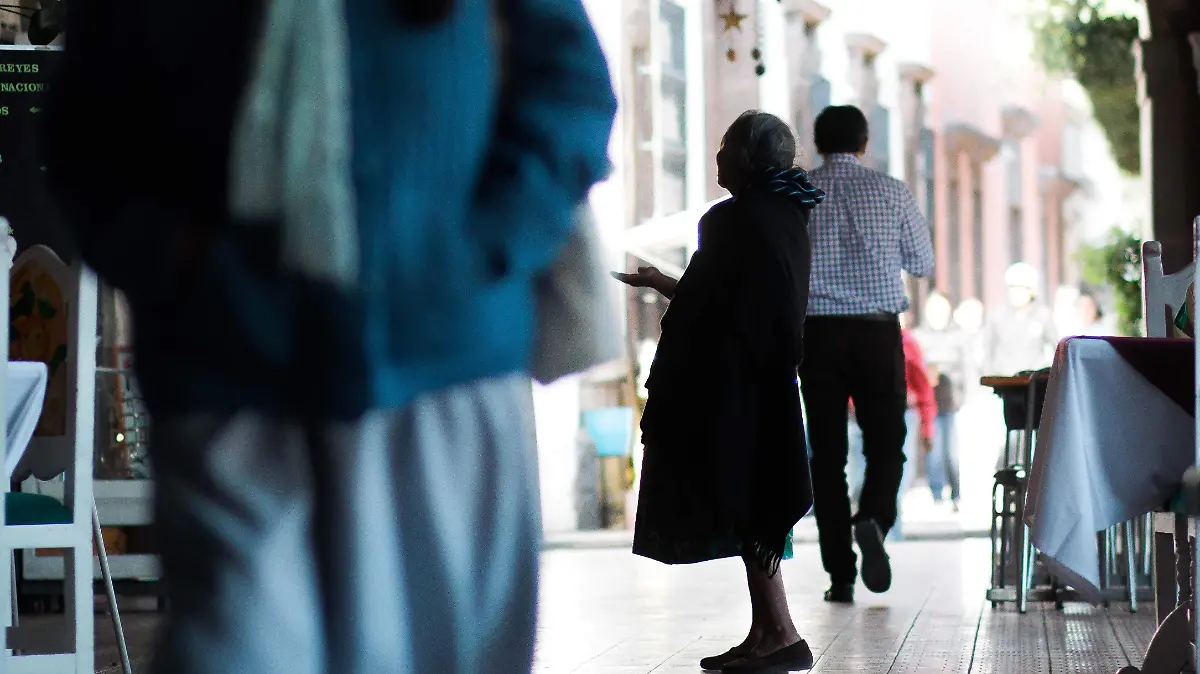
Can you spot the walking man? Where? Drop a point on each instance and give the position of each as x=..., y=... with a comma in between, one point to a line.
x=869, y=229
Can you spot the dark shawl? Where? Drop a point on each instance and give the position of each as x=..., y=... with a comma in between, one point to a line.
x=724, y=438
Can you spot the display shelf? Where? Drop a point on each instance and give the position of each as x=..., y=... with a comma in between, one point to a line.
x=120, y=503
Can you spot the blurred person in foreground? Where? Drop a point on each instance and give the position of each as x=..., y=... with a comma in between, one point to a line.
x=868, y=231
x=724, y=472
x=329, y=230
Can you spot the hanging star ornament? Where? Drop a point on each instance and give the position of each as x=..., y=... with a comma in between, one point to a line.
x=732, y=20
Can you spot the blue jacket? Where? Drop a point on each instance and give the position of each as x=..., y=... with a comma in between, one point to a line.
x=464, y=195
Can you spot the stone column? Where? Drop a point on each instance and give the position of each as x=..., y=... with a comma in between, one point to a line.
x=803, y=17
x=913, y=78
x=1170, y=100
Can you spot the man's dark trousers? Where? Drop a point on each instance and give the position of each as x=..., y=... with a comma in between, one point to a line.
x=859, y=358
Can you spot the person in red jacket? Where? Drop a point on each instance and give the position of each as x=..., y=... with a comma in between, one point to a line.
x=920, y=388
x=920, y=419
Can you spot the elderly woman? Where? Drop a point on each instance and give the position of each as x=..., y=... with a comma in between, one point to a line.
x=725, y=472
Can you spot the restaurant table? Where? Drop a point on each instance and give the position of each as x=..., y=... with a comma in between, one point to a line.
x=1116, y=437
x=24, y=391
x=1117, y=434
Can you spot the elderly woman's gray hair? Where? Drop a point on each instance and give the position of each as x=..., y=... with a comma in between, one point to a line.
x=759, y=140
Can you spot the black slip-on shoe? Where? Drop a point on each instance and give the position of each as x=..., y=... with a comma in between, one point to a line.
x=714, y=663
x=794, y=658
x=876, y=567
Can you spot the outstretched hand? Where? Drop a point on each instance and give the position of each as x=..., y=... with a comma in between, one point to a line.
x=646, y=277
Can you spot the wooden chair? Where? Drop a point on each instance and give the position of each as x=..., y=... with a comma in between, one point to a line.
x=58, y=304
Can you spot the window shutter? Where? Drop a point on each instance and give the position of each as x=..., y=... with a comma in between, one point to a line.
x=927, y=154
x=819, y=95
x=954, y=235
x=880, y=135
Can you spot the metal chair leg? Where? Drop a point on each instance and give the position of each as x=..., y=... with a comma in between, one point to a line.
x=1131, y=565
x=106, y=574
x=1148, y=545
x=1023, y=589
x=1102, y=545
x=995, y=540
x=1110, y=554
x=12, y=581
x=1005, y=548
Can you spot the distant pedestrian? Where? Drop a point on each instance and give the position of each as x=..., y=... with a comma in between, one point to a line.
x=947, y=354
x=1020, y=336
x=1092, y=321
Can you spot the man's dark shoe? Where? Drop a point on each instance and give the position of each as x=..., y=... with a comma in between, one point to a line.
x=840, y=593
x=876, y=567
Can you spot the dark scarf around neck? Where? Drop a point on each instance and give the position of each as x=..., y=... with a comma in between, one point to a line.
x=792, y=183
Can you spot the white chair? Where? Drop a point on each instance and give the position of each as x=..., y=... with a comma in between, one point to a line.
x=1162, y=294
x=1162, y=297
x=64, y=447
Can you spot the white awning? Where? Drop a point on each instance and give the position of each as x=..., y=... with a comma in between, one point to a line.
x=681, y=229
x=678, y=229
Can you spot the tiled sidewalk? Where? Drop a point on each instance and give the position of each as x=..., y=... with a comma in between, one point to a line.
x=604, y=611
x=607, y=612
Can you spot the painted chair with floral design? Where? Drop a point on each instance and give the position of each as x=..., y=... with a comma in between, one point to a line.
x=53, y=310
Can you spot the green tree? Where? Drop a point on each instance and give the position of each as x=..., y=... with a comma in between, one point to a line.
x=1083, y=40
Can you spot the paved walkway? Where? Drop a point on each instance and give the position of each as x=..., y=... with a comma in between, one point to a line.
x=604, y=611
x=607, y=612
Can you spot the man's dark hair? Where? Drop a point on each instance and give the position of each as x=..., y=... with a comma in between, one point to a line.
x=840, y=129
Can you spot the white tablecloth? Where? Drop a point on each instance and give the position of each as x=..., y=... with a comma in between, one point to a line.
x=24, y=391
x=1112, y=447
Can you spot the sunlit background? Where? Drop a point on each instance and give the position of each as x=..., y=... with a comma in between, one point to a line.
x=974, y=104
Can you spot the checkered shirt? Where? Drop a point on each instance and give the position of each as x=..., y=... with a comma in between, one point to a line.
x=867, y=231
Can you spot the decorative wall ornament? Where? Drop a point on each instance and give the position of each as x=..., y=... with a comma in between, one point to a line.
x=760, y=68
x=727, y=11
x=732, y=19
